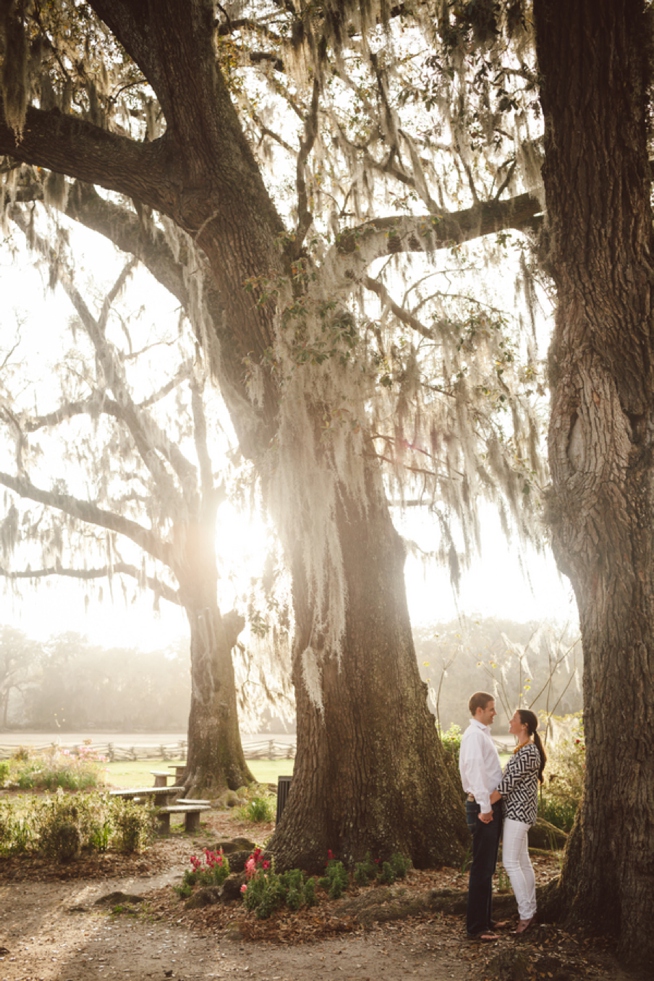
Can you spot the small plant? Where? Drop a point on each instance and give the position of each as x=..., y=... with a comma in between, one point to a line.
x=4, y=772
x=335, y=879
x=133, y=825
x=387, y=872
x=258, y=810
x=16, y=834
x=365, y=871
x=564, y=774
x=210, y=870
x=451, y=740
x=396, y=868
x=61, y=826
x=265, y=890
x=54, y=769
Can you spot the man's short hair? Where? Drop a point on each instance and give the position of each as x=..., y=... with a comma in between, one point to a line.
x=479, y=700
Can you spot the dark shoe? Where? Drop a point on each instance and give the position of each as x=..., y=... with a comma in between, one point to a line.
x=501, y=925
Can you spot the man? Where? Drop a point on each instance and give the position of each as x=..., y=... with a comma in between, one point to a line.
x=479, y=766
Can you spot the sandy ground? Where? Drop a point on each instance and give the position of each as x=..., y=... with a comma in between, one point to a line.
x=52, y=928
x=45, y=938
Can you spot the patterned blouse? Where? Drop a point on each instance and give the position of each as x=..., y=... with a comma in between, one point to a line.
x=519, y=786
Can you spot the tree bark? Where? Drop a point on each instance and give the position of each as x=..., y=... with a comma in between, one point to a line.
x=593, y=61
x=215, y=753
x=370, y=774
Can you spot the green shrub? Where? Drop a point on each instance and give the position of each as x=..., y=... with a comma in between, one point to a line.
x=16, y=835
x=62, y=826
x=560, y=813
x=266, y=891
x=335, y=879
x=387, y=872
x=396, y=868
x=365, y=871
x=133, y=825
x=259, y=809
x=53, y=770
x=4, y=772
x=564, y=773
x=451, y=741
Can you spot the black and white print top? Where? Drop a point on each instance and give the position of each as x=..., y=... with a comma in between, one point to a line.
x=519, y=786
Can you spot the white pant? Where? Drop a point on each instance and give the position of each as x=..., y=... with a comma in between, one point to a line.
x=515, y=858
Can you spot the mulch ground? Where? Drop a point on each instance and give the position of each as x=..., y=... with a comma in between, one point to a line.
x=422, y=913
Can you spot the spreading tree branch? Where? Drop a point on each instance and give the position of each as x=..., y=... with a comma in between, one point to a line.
x=158, y=587
x=145, y=538
x=310, y=132
x=356, y=248
x=72, y=146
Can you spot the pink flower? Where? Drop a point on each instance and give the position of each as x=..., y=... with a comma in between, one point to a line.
x=250, y=868
x=244, y=888
x=265, y=865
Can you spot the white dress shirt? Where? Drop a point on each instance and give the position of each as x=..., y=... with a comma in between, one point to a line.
x=479, y=764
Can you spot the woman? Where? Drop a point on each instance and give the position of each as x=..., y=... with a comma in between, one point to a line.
x=519, y=793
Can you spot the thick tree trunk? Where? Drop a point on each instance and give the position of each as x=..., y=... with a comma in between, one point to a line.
x=215, y=755
x=369, y=774
x=593, y=59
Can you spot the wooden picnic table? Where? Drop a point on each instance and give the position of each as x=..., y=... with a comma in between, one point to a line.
x=161, y=777
x=158, y=794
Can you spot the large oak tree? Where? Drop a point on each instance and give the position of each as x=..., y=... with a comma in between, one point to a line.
x=103, y=445
x=594, y=58
x=275, y=312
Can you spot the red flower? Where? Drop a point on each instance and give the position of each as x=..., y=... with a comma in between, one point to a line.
x=330, y=855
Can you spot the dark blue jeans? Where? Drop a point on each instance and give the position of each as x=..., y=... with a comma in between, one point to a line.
x=485, y=844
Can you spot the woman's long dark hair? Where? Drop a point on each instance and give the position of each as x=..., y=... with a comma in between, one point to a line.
x=530, y=719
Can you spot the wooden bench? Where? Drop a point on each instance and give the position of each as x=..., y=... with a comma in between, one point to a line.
x=189, y=809
x=160, y=777
x=180, y=770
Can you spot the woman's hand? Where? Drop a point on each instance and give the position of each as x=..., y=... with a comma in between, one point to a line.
x=495, y=796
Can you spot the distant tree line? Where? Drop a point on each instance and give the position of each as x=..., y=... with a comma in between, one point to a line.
x=67, y=682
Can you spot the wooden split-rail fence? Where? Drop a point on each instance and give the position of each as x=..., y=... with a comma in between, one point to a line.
x=267, y=749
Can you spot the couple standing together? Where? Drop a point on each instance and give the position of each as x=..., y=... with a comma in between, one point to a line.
x=500, y=804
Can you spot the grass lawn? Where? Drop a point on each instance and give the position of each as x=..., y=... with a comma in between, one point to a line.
x=138, y=774
x=267, y=771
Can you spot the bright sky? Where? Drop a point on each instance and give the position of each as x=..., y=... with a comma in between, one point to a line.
x=494, y=586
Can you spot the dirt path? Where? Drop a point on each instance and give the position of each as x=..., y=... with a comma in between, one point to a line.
x=48, y=938
x=52, y=928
